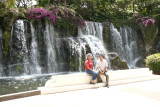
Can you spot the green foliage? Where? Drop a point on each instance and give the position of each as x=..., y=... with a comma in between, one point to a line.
x=153, y=62
x=7, y=37
x=10, y=3
x=9, y=15
x=117, y=11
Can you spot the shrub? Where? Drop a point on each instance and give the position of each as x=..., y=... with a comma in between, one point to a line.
x=153, y=62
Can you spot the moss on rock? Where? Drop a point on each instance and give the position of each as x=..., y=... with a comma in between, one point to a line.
x=149, y=33
x=117, y=63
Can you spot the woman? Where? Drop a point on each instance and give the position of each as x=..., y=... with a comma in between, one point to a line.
x=89, y=68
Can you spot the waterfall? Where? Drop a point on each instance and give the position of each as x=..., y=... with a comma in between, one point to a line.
x=92, y=28
x=116, y=41
x=49, y=37
x=125, y=44
x=23, y=50
x=42, y=48
x=91, y=35
x=35, y=57
x=32, y=50
x=157, y=48
x=73, y=50
x=19, y=60
x=1, y=60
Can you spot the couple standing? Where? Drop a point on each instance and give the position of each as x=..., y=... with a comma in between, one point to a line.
x=101, y=67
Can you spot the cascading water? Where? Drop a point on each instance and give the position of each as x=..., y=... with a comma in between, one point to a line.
x=130, y=45
x=157, y=49
x=23, y=51
x=1, y=63
x=49, y=37
x=35, y=57
x=40, y=49
x=91, y=34
x=19, y=60
x=125, y=44
x=89, y=40
x=28, y=49
x=92, y=28
x=70, y=54
x=116, y=41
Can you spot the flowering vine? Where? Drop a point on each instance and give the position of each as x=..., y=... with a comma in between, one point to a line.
x=146, y=21
x=57, y=14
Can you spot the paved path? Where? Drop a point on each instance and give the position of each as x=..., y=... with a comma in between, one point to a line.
x=140, y=94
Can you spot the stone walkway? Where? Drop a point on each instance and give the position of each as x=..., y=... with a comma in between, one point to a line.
x=139, y=94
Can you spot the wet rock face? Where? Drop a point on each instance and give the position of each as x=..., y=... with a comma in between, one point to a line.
x=124, y=42
x=116, y=62
x=106, y=36
x=19, y=47
x=149, y=35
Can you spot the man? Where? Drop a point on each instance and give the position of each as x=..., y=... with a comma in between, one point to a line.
x=102, y=68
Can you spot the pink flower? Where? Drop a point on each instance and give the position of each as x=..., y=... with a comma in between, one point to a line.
x=67, y=17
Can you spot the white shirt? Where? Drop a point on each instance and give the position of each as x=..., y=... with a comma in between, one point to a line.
x=102, y=64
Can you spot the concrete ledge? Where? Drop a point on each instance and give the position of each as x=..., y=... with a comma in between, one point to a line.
x=83, y=78
x=19, y=95
x=45, y=90
x=79, y=81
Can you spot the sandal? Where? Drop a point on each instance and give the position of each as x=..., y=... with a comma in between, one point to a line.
x=92, y=83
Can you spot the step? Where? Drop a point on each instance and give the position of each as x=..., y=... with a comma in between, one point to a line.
x=45, y=90
x=83, y=78
x=79, y=81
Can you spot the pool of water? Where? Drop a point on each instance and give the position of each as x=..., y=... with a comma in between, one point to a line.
x=10, y=85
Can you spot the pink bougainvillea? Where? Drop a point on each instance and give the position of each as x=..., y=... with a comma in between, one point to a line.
x=146, y=21
x=56, y=15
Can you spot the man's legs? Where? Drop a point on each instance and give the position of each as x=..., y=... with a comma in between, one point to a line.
x=107, y=79
x=99, y=79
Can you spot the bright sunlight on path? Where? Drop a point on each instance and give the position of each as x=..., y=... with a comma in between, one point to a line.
x=138, y=94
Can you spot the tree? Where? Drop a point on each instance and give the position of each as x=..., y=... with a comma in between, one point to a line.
x=24, y=3
x=10, y=3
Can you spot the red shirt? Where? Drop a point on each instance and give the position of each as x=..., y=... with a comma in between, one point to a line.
x=90, y=64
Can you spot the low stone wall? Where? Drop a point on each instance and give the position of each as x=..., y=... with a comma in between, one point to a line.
x=19, y=95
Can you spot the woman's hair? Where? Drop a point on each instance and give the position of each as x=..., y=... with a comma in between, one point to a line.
x=88, y=55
